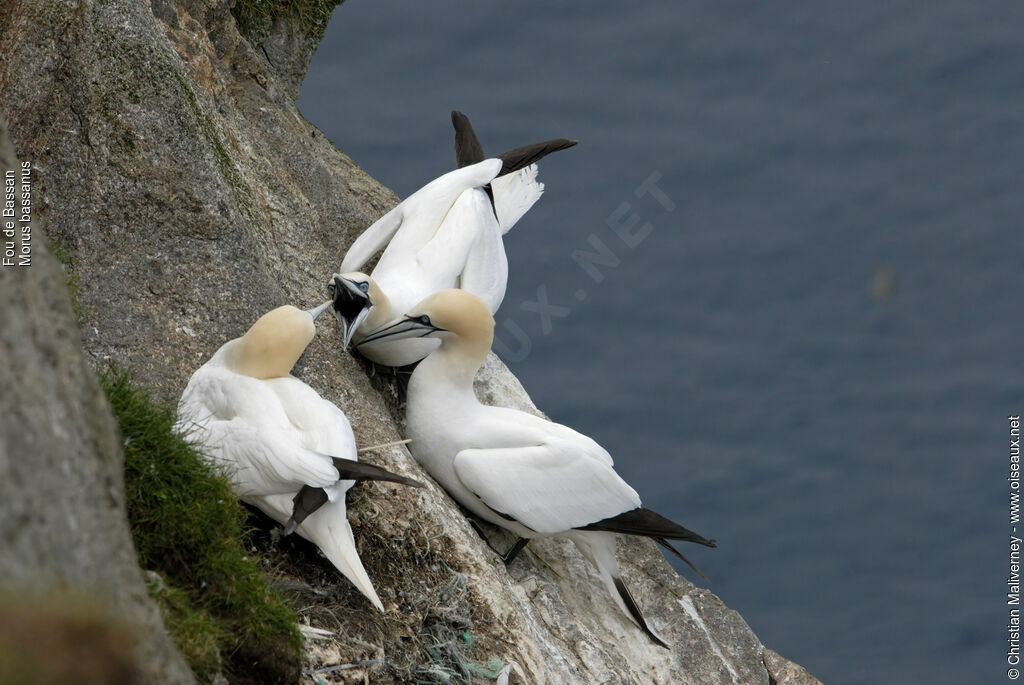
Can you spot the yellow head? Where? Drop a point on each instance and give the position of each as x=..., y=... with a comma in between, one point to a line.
x=458, y=318
x=270, y=348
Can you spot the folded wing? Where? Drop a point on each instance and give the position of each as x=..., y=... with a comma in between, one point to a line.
x=264, y=462
x=550, y=488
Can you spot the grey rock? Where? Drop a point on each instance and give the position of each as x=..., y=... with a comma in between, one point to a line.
x=288, y=38
x=289, y=49
x=195, y=197
x=63, y=528
x=782, y=671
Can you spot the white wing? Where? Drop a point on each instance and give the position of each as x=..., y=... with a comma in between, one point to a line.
x=372, y=240
x=321, y=425
x=515, y=194
x=265, y=462
x=551, y=488
x=485, y=266
x=444, y=255
x=241, y=425
x=407, y=227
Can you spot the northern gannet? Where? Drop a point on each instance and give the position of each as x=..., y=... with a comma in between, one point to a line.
x=448, y=234
x=515, y=470
x=287, y=451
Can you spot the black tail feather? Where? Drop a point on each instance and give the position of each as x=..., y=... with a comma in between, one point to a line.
x=513, y=552
x=467, y=146
x=643, y=521
x=524, y=156
x=634, y=611
x=305, y=502
x=358, y=470
x=468, y=149
x=309, y=499
x=668, y=545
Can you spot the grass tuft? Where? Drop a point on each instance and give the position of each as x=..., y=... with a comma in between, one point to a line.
x=191, y=532
x=256, y=17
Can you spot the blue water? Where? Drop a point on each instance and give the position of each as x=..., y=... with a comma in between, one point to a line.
x=847, y=449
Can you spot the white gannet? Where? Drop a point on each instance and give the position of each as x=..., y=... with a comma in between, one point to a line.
x=447, y=234
x=513, y=469
x=286, y=450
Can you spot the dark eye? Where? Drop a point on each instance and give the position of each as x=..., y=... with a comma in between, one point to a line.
x=364, y=286
x=331, y=289
x=425, y=320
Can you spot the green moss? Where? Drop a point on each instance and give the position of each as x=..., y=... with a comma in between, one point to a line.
x=196, y=632
x=189, y=528
x=227, y=168
x=255, y=17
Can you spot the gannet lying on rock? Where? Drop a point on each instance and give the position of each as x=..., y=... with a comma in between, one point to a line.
x=445, y=235
x=513, y=469
x=286, y=450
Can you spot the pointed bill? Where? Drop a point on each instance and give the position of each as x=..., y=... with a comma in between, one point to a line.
x=317, y=311
x=351, y=305
x=406, y=327
x=349, y=328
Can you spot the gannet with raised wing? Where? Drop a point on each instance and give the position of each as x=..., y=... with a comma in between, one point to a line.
x=448, y=234
x=287, y=451
x=515, y=470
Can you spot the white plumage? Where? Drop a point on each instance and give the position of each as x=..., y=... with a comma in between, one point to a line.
x=273, y=434
x=447, y=234
x=515, y=470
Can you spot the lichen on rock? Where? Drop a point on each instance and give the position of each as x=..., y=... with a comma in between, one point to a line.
x=287, y=32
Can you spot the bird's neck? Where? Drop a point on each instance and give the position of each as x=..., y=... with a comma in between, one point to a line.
x=379, y=315
x=272, y=345
x=455, y=363
x=256, y=359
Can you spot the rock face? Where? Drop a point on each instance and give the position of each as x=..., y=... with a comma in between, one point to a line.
x=63, y=527
x=173, y=165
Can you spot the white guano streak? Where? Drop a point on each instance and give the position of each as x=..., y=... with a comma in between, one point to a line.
x=691, y=611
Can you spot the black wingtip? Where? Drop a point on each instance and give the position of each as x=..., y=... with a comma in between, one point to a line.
x=643, y=521
x=306, y=501
x=524, y=156
x=670, y=547
x=467, y=146
x=634, y=611
x=360, y=470
x=513, y=552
